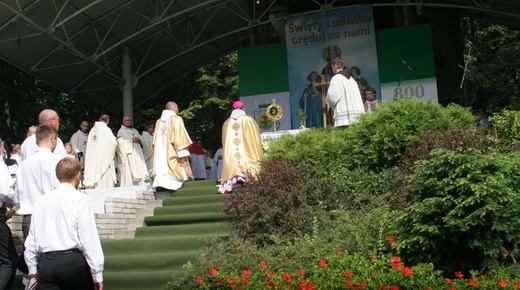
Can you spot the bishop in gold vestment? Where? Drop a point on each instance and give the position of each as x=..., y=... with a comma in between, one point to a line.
x=242, y=149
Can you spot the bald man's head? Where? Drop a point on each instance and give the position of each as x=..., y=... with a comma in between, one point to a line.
x=49, y=117
x=172, y=106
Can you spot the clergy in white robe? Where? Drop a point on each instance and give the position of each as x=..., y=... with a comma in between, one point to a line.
x=216, y=167
x=242, y=149
x=78, y=140
x=100, y=169
x=147, y=145
x=198, y=160
x=343, y=96
x=170, y=144
x=130, y=160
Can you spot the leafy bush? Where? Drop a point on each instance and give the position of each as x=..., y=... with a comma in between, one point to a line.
x=366, y=189
x=378, y=141
x=322, y=148
x=282, y=201
x=504, y=134
x=340, y=269
x=459, y=139
x=354, y=232
x=467, y=214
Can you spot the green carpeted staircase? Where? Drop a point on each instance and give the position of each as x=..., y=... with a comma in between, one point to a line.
x=172, y=236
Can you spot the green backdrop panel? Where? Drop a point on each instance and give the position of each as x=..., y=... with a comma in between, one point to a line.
x=410, y=43
x=262, y=70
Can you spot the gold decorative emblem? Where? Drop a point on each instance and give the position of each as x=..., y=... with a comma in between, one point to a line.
x=236, y=126
x=274, y=112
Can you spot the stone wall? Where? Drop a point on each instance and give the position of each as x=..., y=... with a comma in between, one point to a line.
x=118, y=212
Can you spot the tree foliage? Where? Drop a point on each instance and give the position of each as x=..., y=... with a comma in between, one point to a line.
x=494, y=71
x=204, y=98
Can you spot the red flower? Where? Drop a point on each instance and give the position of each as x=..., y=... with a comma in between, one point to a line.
x=382, y=287
x=374, y=257
x=372, y=273
x=233, y=280
x=276, y=286
x=212, y=272
x=263, y=265
x=287, y=277
x=397, y=266
x=246, y=272
x=347, y=274
x=299, y=272
x=517, y=285
x=502, y=283
x=245, y=280
x=473, y=282
x=220, y=281
x=267, y=284
x=340, y=251
x=394, y=288
x=349, y=284
x=200, y=280
x=323, y=263
x=448, y=281
x=395, y=259
x=407, y=271
x=459, y=274
x=271, y=275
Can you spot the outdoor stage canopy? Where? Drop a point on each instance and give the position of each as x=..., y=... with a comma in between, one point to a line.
x=116, y=54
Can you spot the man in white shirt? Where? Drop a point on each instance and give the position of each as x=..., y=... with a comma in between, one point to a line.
x=63, y=250
x=147, y=145
x=36, y=175
x=131, y=165
x=29, y=146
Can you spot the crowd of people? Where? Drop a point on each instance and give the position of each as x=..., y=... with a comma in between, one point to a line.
x=61, y=246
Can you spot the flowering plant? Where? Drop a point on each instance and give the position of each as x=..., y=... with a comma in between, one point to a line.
x=149, y=177
x=342, y=270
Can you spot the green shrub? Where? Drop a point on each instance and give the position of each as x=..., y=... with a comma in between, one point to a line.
x=459, y=139
x=380, y=140
x=353, y=231
x=336, y=268
x=467, y=213
x=504, y=134
x=282, y=201
x=322, y=148
x=366, y=189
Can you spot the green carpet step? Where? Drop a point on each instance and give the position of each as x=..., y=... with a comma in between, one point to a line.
x=185, y=218
x=194, y=208
x=209, y=190
x=156, y=245
x=209, y=228
x=194, y=199
x=125, y=280
x=199, y=184
x=149, y=262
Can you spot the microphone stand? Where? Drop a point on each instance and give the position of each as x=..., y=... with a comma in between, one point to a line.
x=399, y=83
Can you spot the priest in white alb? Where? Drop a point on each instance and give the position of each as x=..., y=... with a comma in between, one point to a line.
x=130, y=160
x=100, y=169
x=170, y=143
x=343, y=96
